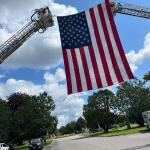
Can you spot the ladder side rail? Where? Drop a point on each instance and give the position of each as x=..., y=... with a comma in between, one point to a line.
x=134, y=13
x=15, y=35
x=11, y=48
x=132, y=10
x=11, y=45
x=40, y=21
x=21, y=35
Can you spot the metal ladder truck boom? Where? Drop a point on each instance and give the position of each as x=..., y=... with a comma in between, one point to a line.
x=42, y=19
x=130, y=9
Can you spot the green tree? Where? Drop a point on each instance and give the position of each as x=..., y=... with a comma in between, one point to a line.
x=20, y=107
x=92, y=117
x=30, y=116
x=4, y=121
x=124, y=100
x=98, y=112
x=132, y=99
x=141, y=101
x=46, y=102
x=80, y=124
x=147, y=76
x=68, y=128
x=53, y=125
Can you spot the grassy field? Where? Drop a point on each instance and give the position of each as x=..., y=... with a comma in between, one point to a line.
x=120, y=131
x=114, y=132
x=23, y=147
x=48, y=142
x=26, y=144
x=65, y=135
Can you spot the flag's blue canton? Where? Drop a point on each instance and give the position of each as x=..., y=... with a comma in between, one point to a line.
x=74, y=31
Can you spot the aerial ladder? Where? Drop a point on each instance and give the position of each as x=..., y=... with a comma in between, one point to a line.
x=43, y=19
x=40, y=21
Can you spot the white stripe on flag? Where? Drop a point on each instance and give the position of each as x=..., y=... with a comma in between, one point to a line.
x=90, y=67
x=105, y=47
x=81, y=69
x=114, y=45
x=96, y=51
x=72, y=72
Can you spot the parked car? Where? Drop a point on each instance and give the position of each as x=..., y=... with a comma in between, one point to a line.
x=3, y=146
x=36, y=144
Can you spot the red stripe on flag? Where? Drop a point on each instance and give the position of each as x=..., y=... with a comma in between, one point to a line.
x=86, y=69
x=76, y=69
x=67, y=70
x=95, y=67
x=110, y=48
x=118, y=42
x=100, y=47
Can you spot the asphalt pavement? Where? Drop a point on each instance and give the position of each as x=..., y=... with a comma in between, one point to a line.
x=139, y=141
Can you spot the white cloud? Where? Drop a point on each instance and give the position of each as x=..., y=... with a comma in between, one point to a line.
x=2, y=76
x=68, y=108
x=41, y=51
x=57, y=77
x=60, y=74
x=12, y=85
x=137, y=58
x=4, y=35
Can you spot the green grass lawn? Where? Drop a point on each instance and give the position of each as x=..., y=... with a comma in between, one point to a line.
x=118, y=132
x=65, y=135
x=48, y=142
x=23, y=147
x=26, y=144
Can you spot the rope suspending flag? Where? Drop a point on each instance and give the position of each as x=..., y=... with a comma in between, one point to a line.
x=92, y=51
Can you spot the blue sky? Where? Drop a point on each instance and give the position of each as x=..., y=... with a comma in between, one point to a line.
x=38, y=66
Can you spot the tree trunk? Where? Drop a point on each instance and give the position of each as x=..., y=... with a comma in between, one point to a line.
x=128, y=123
x=106, y=128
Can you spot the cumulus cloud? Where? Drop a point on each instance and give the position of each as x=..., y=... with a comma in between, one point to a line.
x=136, y=58
x=42, y=51
x=13, y=85
x=67, y=107
x=4, y=35
x=2, y=76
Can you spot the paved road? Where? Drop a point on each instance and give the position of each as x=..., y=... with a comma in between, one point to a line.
x=128, y=142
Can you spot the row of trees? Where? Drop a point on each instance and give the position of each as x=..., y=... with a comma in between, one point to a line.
x=147, y=76
x=105, y=109
x=23, y=117
x=73, y=126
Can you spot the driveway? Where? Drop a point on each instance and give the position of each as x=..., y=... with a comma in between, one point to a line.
x=139, y=141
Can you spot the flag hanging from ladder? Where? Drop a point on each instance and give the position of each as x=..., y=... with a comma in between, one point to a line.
x=92, y=51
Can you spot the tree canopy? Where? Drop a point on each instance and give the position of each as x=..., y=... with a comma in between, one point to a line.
x=27, y=117
x=73, y=126
x=98, y=112
x=147, y=76
x=133, y=98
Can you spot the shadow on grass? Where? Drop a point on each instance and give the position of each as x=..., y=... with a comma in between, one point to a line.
x=82, y=137
x=115, y=133
x=24, y=147
x=145, y=131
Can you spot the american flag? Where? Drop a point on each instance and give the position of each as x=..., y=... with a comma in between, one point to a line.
x=92, y=51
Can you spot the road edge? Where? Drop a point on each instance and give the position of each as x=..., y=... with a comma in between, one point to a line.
x=50, y=145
